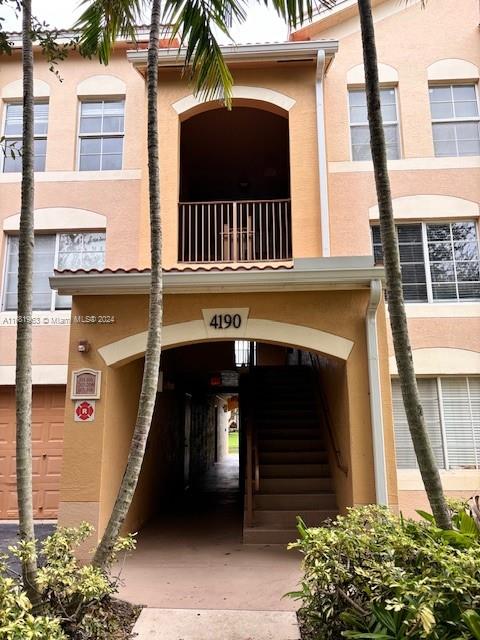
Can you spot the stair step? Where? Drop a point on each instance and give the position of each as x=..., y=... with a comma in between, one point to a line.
x=283, y=518
x=293, y=457
x=290, y=444
x=294, y=471
x=288, y=432
x=300, y=501
x=295, y=485
x=253, y=535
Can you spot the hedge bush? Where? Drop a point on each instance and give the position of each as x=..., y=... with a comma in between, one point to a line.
x=76, y=600
x=372, y=574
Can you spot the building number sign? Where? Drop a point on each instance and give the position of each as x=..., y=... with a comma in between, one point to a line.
x=227, y=322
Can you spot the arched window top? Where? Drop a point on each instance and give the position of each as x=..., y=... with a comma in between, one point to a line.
x=14, y=90
x=101, y=85
x=429, y=206
x=386, y=74
x=450, y=69
x=59, y=219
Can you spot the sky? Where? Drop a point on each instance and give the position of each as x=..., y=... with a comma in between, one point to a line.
x=262, y=25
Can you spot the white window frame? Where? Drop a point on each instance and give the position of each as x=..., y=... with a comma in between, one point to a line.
x=438, y=380
x=54, y=292
x=426, y=259
x=385, y=123
x=38, y=136
x=454, y=119
x=116, y=134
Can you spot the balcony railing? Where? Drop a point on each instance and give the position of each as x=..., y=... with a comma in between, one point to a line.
x=243, y=231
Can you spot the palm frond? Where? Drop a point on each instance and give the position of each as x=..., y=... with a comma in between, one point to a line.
x=105, y=20
x=193, y=22
x=296, y=12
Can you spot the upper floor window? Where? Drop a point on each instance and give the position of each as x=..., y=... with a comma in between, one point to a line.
x=101, y=135
x=12, y=162
x=359, y=130
x=79, y=250
x=439, y=260
x=455, y=120
x=452, y=416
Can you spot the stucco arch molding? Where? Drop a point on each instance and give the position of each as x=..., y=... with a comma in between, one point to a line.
x=59, y=218
x=386, y=74
x=127, y=349
x=14, y=90
x=259, y=94
x=429, y=206
x=452, y=69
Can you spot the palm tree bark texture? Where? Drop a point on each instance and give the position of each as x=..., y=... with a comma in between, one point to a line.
x=396, y=305
x=154, y=337
x=23, y=375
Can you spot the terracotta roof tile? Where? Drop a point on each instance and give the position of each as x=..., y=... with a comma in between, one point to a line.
x=205, y=269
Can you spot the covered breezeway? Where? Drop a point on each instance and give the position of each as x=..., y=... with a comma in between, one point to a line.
x=325, y=320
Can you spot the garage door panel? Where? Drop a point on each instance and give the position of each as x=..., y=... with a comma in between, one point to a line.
x=5, y=433
x=53, y=466
x=47, y=447
x=55, y=432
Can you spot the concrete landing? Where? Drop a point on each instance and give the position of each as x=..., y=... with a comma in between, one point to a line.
x=210, y=624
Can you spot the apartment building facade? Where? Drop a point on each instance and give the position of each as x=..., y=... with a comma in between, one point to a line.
x=270, y=236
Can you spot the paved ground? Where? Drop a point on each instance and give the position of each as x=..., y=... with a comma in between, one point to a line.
x=178, y=624
x=9, y=536
x=194, y=558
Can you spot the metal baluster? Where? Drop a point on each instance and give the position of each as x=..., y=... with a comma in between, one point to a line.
x=274, y=216
x=254, y=236
x=235, y=232
x=209, y=240
x=267, y=229
x=203, y=233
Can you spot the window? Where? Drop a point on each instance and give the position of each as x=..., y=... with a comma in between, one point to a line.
x=439, y=260
x=13, y=137
x=101, y=135
x=359, y=131
x=455, y=120
x=452, y=414
x=82, y=250
x=244, y=351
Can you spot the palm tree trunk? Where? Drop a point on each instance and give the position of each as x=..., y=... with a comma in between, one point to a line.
x=396, y=304
x=23, y=376
x=154, y=338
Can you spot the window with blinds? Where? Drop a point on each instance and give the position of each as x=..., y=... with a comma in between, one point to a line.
x=427, y=388
x=452, y=414
x=439, y=260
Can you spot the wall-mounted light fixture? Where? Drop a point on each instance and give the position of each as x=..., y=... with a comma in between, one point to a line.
x=83, y=346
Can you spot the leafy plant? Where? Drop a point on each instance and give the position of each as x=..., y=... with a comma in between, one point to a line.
x=372, y=574
x=76, y=600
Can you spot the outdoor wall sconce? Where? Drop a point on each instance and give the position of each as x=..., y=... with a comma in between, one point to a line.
x=83, y=346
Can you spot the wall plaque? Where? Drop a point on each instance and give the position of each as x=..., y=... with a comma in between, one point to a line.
x=84, y=411
x=86, y=384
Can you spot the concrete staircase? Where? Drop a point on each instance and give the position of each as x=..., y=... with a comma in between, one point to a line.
x=295, y=476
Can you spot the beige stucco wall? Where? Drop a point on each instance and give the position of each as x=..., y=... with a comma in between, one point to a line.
x=113, y=194
x=94, y=476
x=296, y=83
x=351, y=184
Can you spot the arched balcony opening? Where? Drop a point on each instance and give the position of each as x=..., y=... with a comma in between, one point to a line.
x=235, y=186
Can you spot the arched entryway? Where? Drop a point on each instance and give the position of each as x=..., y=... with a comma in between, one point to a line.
x=192, y=500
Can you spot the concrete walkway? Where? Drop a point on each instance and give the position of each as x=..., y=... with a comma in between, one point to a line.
x=177, y=624
x=194, y=558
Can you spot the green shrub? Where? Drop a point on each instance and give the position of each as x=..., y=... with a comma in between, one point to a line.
x=76, y=600
x=371, y=574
